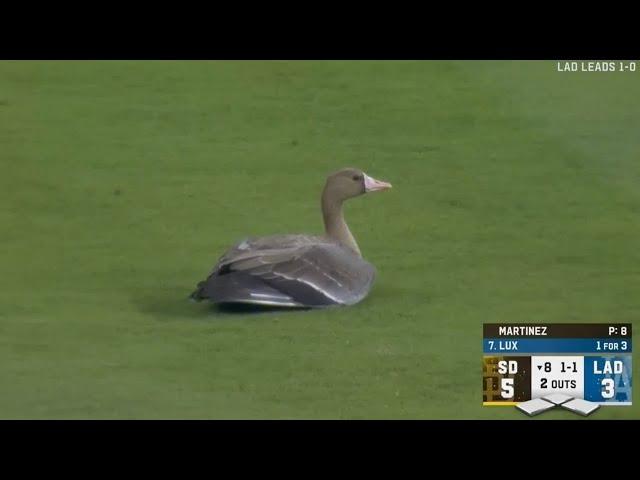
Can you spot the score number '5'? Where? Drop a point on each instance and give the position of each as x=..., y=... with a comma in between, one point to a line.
x=506, y=384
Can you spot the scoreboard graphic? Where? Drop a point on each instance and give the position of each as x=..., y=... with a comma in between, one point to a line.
x=588, y=362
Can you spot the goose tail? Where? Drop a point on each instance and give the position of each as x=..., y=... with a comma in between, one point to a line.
x=197, y=295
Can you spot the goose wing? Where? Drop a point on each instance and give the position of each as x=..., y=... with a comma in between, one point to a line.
x=297, y=273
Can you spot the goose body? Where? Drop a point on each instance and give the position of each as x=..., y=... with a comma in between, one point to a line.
x=289, y=271
x=304, y=271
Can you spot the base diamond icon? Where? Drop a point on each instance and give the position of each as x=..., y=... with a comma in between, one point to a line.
x=557, y=398
x=535, y=406
x=581, y=406
x=549, y=402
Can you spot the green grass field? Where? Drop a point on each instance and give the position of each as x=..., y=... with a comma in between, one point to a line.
x=515, y=199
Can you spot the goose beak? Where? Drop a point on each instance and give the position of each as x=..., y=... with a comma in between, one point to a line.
x=372, y=185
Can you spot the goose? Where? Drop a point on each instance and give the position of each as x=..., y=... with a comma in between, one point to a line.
x=303, y=271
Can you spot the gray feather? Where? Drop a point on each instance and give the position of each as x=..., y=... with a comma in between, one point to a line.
x=288, y=270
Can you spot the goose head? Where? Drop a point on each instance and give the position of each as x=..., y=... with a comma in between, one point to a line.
x=351, y=182
x=343, y=185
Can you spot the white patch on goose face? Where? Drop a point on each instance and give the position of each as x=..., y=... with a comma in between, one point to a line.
x=244, y=245
x=368, y=182
x=372, y=185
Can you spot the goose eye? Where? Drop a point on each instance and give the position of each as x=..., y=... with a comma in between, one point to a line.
x=357, y=177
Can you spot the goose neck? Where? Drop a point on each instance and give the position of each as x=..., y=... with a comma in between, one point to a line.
x=335, y=225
